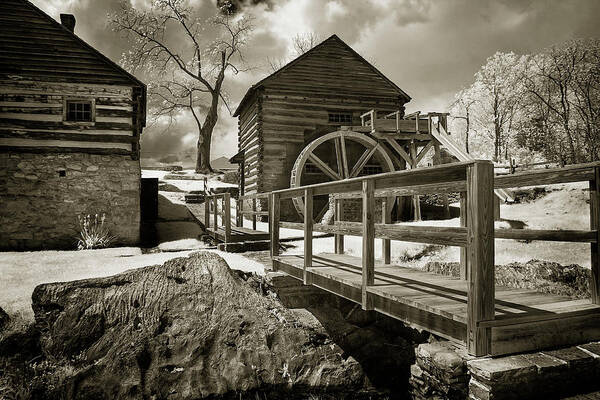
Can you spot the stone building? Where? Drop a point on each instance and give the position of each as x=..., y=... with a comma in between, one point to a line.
x=70, y=123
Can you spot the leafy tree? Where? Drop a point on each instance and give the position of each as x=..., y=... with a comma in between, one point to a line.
x=185, y=70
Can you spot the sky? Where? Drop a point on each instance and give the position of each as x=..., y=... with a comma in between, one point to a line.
x=431, y=49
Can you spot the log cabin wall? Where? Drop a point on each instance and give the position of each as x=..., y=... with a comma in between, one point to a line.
x=70, y=123
x=281, y=114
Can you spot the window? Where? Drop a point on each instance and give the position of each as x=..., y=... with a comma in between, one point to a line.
x=340, y=117
x=79, y=111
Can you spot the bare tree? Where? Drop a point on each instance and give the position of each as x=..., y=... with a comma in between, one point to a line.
x=301, y=43
x=186, y=72
x=462, y=109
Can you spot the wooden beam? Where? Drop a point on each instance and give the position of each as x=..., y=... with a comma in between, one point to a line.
x=386, y=218
x=416, y=199
x=339, y=239
x=424, y=151
x=274, y=207
x=324, y=167
x=481, y=294
x=437, y=160
x=308, y=233
x=442, y=175
x=368, y=242
x=254, y=215
x=548, y=235
x=216, y=213
x=206, y=212
x=464, y=253
x=449, y=236
x=574, y=173
x=595, y=225
x=396, y=146
x=227, y=216
x=339, y=158
x=362, y=161
x=552, y=333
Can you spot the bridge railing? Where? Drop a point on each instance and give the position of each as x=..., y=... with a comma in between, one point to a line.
x=253, y=200
x=211, y=208
x=475, y=181
x=475, y=178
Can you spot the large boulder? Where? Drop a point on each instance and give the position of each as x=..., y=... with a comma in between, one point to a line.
x=188, y=329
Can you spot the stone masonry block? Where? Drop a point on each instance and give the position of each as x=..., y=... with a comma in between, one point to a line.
x=504, y=369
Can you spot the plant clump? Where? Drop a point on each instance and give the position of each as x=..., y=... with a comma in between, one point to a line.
x=93, y=233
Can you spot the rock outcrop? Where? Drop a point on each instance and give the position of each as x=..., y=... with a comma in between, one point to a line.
x=188, y=329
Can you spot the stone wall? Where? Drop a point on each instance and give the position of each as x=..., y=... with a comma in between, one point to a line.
x=443, y=371
x=43, y=194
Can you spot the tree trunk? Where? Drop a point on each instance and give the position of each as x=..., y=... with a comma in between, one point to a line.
x=205, y=137
x=203, y=157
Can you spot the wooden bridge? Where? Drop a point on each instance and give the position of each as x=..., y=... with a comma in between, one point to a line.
x=470, y=310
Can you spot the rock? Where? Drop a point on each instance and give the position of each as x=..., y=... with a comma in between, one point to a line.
x=187, y=329
x=4, y=319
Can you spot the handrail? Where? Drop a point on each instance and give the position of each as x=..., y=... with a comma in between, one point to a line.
x=454, y=172
x=240, y=212
x=476, y=234
x=475, y=181
x=225, y=213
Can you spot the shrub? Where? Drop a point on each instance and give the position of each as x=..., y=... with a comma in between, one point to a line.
x=231, y=177
x=93, y=233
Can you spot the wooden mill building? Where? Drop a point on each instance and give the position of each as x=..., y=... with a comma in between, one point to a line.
x=70, y=123
x=329, y=86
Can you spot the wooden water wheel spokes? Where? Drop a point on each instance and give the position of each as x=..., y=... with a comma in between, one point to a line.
x=332, y=157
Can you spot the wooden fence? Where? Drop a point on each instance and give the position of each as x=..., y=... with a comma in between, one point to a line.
x=211, y=207
x=476, y=182
x=253, y=200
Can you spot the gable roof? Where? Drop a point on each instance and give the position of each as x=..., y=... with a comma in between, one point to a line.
x=35, y=46
x=332, y=39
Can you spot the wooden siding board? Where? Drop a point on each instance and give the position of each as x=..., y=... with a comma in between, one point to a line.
x=32, y=40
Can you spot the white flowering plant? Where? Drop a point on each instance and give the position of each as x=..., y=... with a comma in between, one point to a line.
x=93, y=233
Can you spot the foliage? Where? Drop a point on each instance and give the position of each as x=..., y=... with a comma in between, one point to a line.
x=534, y=107
x=231, y=177
x=185, y=59
x=490, y=106
x=93, y=233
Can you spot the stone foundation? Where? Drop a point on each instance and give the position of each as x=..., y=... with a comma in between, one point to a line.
x=43, y=194
x=439, y=372
x=444, y=371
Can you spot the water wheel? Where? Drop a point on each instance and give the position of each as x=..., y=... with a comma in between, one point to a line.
x=336, y=156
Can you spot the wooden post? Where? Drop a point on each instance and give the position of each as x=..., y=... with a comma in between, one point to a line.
x=274, y=224
x=437, y=160
x=595, y=225
x=463, y=250
x=386, y=218
x=227, y=216
x=416, y=201
x=239, y=212
x=308, y=233
x=216, y=213
x=496, y=208
x=339, y=239
x=368, y=241
x=206, y=213
x=254, y=215
x=480, y=303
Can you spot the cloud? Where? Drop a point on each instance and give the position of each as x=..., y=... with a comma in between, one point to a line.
x=430, y=49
